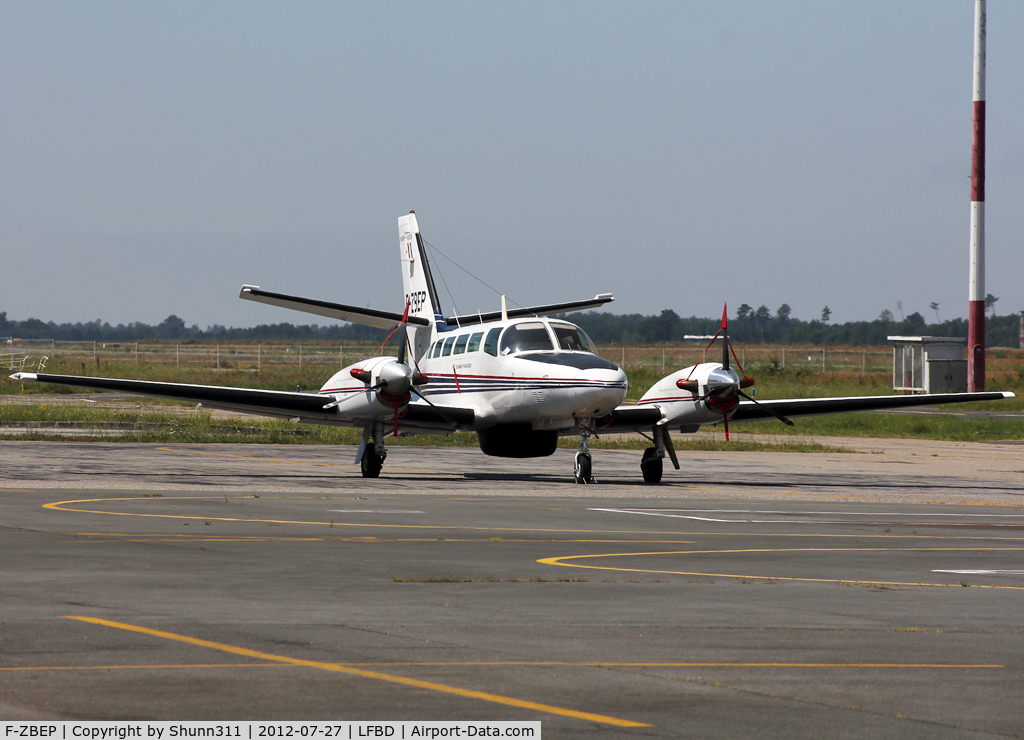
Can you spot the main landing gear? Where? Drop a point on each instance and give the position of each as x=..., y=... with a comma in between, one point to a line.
x=652, y=464
x=371, y=457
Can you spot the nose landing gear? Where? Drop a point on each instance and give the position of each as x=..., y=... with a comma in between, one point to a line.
x=582, y=469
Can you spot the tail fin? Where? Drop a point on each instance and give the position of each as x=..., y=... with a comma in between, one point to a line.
x=418, y=283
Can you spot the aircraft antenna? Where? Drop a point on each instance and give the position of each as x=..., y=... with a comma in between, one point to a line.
x=486, y=285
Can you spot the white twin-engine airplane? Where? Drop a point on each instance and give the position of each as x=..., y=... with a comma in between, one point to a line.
x=516, y=378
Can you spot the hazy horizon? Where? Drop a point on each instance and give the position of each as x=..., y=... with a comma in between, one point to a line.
x=678, y=155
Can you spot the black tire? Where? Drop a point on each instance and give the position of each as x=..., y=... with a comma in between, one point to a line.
x=582, y=471
x=651, y=466
x=371, y=463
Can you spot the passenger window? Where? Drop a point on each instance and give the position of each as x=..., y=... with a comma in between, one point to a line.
x=437, y=348
x=460, y=344
x=474, y=342
x=448, y=346
x=525, y=337
x=491, y=343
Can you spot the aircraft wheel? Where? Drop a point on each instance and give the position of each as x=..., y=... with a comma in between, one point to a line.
x=582, y=471
x=651, y=466
x=371, y=463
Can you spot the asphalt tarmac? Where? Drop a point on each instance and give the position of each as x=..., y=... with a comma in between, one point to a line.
x=877, y=593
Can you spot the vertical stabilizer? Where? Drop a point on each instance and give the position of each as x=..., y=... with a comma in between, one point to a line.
x=417, y=282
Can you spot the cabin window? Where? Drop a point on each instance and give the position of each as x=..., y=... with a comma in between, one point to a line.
x=437, y=348
x=572, y=338
x=474, y=342
x=525, y=337
x=448, y=346
x=491, y=343
x=460, y=345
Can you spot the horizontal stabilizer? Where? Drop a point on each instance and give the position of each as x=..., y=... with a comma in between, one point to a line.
x=517, y=313
x=365, y=316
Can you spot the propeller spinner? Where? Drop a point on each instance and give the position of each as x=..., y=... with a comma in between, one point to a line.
x=723, y=388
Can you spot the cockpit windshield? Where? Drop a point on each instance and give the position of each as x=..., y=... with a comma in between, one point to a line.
x=572, y=338
x=525, y=337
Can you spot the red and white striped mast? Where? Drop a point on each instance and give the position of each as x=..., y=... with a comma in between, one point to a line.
x=976, y=314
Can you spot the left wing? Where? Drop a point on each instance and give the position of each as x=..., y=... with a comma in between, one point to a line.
x=751, y=411
x=305, y=407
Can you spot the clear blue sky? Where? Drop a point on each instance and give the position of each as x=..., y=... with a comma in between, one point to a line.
x=158, y=155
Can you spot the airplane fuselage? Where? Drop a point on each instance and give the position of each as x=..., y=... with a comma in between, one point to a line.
x=538, y=372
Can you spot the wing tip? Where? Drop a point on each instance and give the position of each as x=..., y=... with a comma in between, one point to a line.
x=24, y=376
x=246, y=291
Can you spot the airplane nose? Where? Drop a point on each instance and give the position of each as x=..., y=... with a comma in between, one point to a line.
x=608, y=389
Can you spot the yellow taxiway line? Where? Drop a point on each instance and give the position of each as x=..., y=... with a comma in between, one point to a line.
x=562, y=561
x=390, y=678
x=507, y=664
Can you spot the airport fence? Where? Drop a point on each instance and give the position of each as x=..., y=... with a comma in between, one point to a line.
x=808, y=358
x=36, y=354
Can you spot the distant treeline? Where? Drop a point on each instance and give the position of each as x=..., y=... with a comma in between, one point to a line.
x=748, y=327
x=763, y=328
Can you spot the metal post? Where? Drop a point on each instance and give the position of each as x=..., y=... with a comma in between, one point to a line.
x=259, y=357
x=136, y=354
x=662, y=360
x=863, y=361
x=341, y=356
x=623, y=357
x=783, y=358
x=218, y=357
x=177, y=355
x=300, y=358
x=822, y=359
x=95, y=357
x=976, y=310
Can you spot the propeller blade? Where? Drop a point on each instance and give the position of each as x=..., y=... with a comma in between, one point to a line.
x=402, y=345
x=404, y=341
x=725, y=420
x=725, y=339
x=769, y=409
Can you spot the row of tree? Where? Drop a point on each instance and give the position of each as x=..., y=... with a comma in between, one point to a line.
x=749, y=326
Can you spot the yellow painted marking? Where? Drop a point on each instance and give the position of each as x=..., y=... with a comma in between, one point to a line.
x=64, y=506
x=561, y=561
x=508, y=663
x=339, y=668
